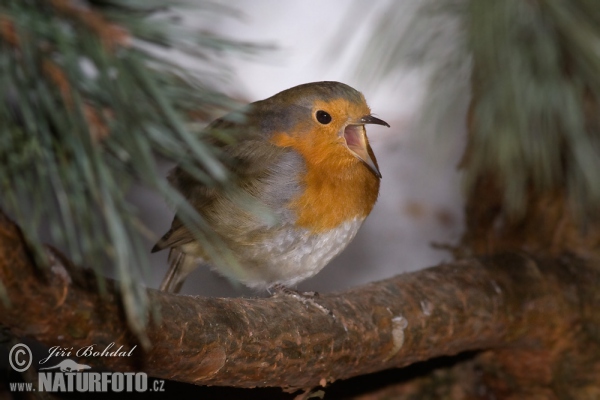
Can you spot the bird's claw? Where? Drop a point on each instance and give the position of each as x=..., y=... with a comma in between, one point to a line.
x=304, y=297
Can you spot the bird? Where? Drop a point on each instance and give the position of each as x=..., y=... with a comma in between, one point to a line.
x=303, y=157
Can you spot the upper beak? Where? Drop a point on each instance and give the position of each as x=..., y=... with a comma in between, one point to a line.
x=357, y=142
x=369, y=119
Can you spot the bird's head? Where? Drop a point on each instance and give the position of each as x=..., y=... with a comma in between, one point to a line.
x=323, y=121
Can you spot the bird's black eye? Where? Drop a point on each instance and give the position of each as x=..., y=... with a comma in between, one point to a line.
x=323, y=117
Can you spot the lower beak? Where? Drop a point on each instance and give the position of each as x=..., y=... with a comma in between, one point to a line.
x=356, y=140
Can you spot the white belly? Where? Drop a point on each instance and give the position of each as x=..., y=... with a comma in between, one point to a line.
x=292, y=256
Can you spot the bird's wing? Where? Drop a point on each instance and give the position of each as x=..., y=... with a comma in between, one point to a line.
x=266, y=172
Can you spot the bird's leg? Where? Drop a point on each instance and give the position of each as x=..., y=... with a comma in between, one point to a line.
x=305, y=297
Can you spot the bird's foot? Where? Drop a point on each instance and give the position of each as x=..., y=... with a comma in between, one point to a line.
x=304, y=297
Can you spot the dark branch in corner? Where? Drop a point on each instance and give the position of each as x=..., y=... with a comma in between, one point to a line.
x=510, y=300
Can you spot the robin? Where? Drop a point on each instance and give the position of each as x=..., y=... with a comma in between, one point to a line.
x=302, y=155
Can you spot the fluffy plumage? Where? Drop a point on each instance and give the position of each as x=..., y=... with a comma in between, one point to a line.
x=315, y=177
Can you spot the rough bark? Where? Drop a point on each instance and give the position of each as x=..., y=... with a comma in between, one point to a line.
x=509, y=301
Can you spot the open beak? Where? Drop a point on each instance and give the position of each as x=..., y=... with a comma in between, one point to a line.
x=357, y=142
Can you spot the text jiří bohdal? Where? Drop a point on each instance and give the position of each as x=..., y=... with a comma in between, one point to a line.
x=92, y=350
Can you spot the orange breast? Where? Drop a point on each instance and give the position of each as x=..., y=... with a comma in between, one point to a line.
x=337, y=186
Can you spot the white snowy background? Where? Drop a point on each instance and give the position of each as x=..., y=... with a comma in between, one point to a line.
x=420, y=200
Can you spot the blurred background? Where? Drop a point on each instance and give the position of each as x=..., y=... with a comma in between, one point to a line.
x=420, y=200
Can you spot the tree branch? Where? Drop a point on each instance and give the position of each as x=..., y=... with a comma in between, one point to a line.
x=510, y=300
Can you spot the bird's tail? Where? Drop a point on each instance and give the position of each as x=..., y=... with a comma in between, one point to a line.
x=180, y=266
